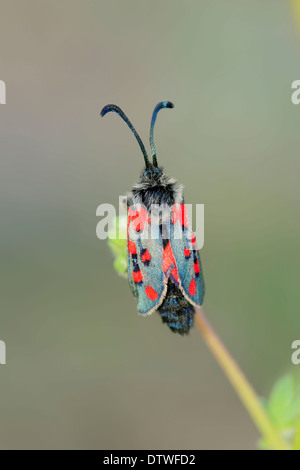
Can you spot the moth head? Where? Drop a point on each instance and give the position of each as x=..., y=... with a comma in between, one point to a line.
x=151, y=169
x=152, y=176
x=153, y=172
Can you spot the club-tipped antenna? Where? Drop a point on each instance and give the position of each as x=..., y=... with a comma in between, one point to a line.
x=112, y=107
x=161, y=105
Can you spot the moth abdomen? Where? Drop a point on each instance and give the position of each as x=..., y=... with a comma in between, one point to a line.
x=176, y=311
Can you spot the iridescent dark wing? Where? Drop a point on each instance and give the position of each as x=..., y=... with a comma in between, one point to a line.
x=183, y=244
x=145, y=262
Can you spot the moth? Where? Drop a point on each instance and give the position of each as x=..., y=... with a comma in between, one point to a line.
x=164, y=268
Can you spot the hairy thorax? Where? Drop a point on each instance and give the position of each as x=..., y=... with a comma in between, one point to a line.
x=154, y=187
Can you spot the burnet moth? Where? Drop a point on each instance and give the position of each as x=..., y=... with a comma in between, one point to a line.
x=164, y=268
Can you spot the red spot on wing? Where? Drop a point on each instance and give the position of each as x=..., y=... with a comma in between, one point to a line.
x=151, y=293
x=132, y=213
x=179, y=213
x=137, y=276
x=187, y=253
x=193, y=240
x=167, y=257
x=146, y=256
x=196, y=267
x=141, y=220
x=175, y=273
x=169, y=261
x=184, y=216
x=192, y=288
x=131, y=247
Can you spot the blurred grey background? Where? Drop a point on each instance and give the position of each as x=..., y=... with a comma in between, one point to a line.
x=83, y=370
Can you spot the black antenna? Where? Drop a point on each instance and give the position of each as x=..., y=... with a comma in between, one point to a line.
x=161, y=105
x=116, y=109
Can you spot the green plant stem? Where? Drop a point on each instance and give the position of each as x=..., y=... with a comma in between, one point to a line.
x=239, y=382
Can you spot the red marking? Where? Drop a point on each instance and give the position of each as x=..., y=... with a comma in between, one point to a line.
x=139, y=222
x=146, y=256
x=175, y=273
x=169, y=260
x=187, y=253
x=167, y=257
x=179, y=213
x=196, y=267
x=192, y=288
x=151, y=293
x=137, y=277
x=184, y=215
x=193, y=239
x=131, y=247
x=132, y=214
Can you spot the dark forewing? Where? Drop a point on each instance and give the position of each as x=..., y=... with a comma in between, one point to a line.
x=188, y=264
x=145, y=265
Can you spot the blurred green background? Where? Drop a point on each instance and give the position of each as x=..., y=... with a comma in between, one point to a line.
x=83, y=369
